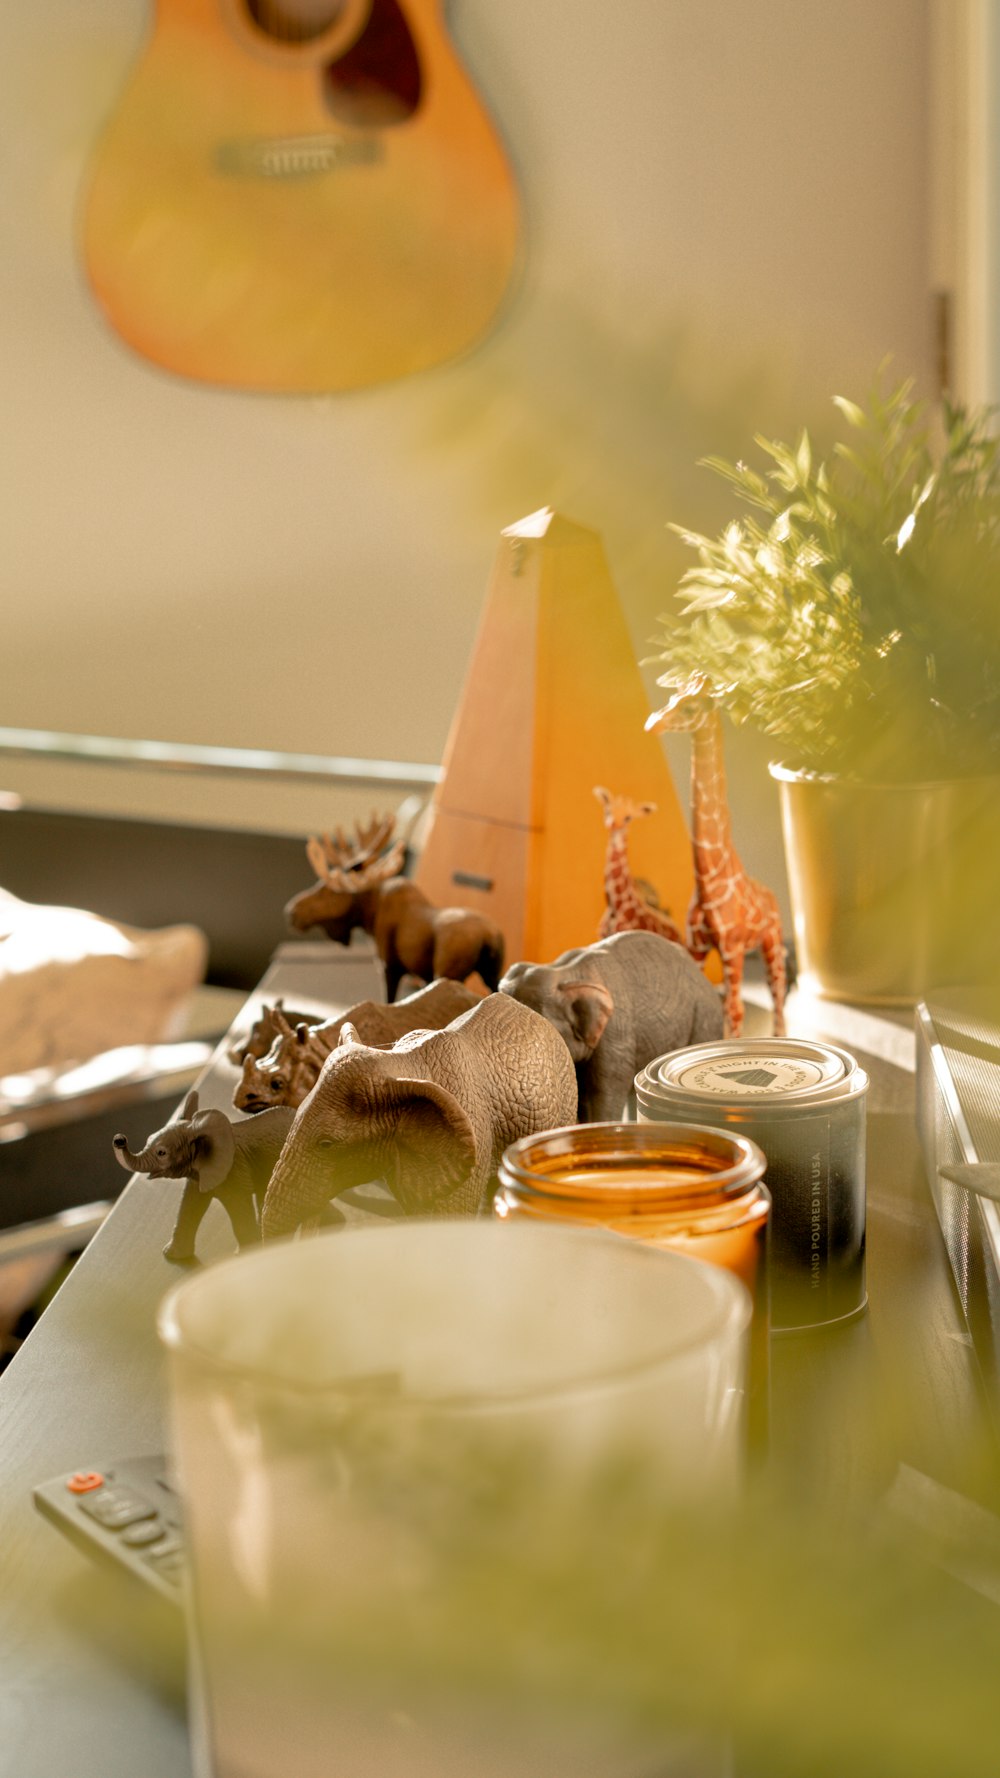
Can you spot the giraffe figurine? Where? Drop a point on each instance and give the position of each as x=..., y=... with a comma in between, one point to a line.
x=730, y=912
x=630, y=908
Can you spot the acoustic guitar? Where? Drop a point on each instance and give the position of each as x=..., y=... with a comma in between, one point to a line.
x=300, y=196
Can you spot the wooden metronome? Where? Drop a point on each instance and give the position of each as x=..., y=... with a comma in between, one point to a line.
x=553, y=705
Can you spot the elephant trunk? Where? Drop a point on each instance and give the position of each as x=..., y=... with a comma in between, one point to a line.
x=300, y=1188
x=133, y=1163
x=176, y=1165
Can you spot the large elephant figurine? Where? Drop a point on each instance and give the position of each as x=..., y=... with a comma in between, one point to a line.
x=618, y=1004
x=218, y=1158
x=431, y=1116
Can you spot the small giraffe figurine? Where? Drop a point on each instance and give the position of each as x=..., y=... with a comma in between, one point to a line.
x=729, y=910
x=629, y=908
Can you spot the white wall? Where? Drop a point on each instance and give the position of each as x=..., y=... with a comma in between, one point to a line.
x=725, y=221
x=965, y=189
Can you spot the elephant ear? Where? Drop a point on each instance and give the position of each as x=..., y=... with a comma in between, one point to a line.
x=189, y=1107
x=214, y=1148
x=434, y=1143
x=588, y=1007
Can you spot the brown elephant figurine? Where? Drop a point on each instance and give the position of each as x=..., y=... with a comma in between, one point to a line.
x=431, y=1116
x=411, y=935
x=618, y=1004
x=218, y=1158
x=291, y=1066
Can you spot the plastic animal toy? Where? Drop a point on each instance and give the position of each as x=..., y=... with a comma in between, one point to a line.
x=431, y=1116
x=618, y=1004
x=631, y=906
x=411, y=935
x=266, y=1029
x=291, y=1066
x=729, y=912
x=218, y=1158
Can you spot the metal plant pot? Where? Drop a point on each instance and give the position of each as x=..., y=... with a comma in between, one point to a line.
x=895, y=888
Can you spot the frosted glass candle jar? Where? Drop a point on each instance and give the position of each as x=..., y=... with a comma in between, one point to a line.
x=373, y=1430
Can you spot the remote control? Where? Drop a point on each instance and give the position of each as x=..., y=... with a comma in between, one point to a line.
x=127, y=1514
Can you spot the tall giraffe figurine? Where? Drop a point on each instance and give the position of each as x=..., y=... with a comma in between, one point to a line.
x=629, y=909
x=729, y=910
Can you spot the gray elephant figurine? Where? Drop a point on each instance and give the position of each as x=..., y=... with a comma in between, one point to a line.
x=619, y=1004
x=218, y=1158
x=431, y=1116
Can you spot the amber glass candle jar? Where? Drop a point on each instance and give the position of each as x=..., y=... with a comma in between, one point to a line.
x=683, y=1186
x=693, y=1189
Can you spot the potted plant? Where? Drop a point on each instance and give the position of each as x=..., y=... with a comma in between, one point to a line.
x=852, y=614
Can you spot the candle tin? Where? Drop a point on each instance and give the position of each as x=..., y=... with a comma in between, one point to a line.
x=803, y=1102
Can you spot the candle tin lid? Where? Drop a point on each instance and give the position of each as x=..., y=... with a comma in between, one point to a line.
x=781, y=1074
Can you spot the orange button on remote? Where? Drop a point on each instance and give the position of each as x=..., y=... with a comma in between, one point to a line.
x=85, y=1481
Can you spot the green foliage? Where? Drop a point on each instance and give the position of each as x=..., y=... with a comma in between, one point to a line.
x=853, y=611
x=535, y=1595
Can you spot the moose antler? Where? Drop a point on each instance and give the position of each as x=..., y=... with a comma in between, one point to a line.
x=340, y=853
x=356, y=880
x=372, y=838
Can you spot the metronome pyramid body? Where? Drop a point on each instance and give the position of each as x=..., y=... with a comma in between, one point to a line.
x=553, y=704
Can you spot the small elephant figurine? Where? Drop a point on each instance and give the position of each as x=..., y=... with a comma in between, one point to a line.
x=431, y=1116
x=218, y=1158
x=619, y=1004
x=290, y=1069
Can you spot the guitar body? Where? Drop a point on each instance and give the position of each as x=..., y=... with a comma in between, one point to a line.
x=300, y=216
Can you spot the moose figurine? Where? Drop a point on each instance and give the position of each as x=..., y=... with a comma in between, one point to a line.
x=218, y=1158
x=360, y=886
x=291, y=1066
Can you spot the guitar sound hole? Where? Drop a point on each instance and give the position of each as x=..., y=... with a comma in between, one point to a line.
x=294, y=21
x=378, y=80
